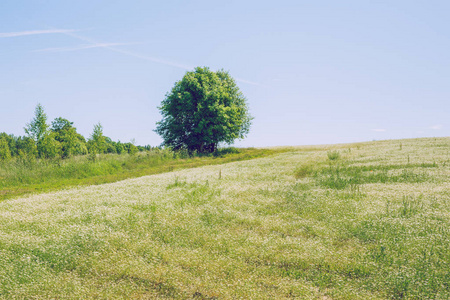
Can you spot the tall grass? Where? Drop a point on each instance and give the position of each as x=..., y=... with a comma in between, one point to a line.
x=333, y=155
x=21, y=176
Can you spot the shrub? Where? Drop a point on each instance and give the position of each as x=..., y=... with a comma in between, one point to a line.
x=333, y=155
x=225, y=151
x=304, y=171
x=5, y=152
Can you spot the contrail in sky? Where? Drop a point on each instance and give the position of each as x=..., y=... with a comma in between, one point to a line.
x=82, y=47
x=109, y=46
x=146, y=57
x=129, y=53
x=34, y=32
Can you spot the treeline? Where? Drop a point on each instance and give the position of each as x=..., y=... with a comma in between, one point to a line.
x=59, y=140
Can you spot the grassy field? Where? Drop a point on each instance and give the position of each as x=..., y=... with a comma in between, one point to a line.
x=356, y=221
x=21, y=176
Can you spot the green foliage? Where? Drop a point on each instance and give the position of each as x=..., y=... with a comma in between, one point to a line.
x=226, y=151
x=342, y=176
x=119, y=148
x=26, y=147
x=11, y=141
x=305, y=170
x=203, y=109
x=38, y=126
x=110, y=148
x=80, y=146
x=97, y=142
x=333, y=155
x=132, y=149
x=25, y=176
x=5, y=152
x=60, y=140
x=72, y=143
x=61, y=124
x=48, y=146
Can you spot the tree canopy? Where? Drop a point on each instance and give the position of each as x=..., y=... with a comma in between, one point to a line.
x=60, y=140
x=203, y=109
x=38, y=126
x=97, y=141
x=72, y=143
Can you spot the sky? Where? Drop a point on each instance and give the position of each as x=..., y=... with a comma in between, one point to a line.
x=313, y=72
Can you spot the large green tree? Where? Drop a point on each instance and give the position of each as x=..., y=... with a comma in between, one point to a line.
x=203, y=109
x=72, y=143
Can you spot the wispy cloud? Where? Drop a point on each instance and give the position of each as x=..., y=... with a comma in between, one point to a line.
x=34, y=32
x=146, y=57
x=95, y=44
x=129, y=53
x=436, y=127
x=248, y=82
x=379, y=130
x=82, y=47
x=152, y=59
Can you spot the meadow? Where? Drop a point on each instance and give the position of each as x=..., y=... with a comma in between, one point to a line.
x=351, y=221
x=21, y=176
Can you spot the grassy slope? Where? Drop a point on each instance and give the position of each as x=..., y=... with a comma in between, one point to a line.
x=373, y=224
x=19, y=177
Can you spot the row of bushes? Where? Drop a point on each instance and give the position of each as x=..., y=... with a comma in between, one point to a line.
x=50, y=147
x=61, y=139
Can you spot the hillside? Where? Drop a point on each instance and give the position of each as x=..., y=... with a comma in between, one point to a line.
x=354, y=221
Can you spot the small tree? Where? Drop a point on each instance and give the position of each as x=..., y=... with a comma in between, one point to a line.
x=38, y=130
x=119, y=147
x=97, y=141
x=203, y=109
x=38, y=126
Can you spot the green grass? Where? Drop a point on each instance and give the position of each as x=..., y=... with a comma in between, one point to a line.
x=333, y=155
x=20, y=177
x=373, y=224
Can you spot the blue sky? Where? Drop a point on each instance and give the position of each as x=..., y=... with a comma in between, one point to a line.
x=314, y=72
